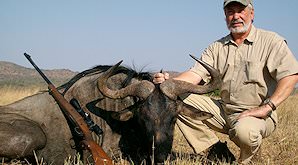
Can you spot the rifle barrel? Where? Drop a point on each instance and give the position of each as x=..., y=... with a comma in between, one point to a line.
x=37, y=68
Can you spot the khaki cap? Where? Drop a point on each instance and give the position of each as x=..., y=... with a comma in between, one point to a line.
x=243, y=2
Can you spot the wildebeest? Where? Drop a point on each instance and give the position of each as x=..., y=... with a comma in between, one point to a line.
x=133, y=113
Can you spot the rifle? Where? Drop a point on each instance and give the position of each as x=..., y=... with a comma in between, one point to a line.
x=98, y=154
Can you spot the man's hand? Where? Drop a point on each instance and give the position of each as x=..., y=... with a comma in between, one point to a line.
x=284, y=88
x=160, y=77
x=259, y=112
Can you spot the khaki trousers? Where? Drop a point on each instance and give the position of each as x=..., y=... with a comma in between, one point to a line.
x=247, y=133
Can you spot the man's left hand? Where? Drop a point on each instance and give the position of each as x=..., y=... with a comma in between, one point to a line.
x=259, y=112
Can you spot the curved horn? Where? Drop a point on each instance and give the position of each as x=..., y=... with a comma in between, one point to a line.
x=142, y=89
x=173, y=88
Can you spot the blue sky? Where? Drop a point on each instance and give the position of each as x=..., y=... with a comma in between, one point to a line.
x=155, y=34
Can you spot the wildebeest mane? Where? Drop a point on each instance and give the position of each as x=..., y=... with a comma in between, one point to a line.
x=131, y=73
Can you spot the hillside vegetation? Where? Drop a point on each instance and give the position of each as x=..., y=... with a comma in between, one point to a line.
x=15, y=75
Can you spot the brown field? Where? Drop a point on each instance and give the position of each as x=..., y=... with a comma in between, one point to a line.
x=10, y=94
x=280, y=148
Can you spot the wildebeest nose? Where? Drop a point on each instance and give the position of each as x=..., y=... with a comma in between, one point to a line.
x=156, y=121
x=157, y=136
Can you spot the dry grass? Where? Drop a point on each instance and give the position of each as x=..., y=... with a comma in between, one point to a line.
x=279, y=148
x=282, y=146
x=10, y=94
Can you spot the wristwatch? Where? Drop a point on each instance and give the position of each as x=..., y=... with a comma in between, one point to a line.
x=271, y=104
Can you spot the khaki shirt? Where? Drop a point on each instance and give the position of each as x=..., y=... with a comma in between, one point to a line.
x=250, y=71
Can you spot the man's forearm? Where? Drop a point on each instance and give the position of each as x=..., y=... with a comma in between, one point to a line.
x=284, y=89
x=189, y=76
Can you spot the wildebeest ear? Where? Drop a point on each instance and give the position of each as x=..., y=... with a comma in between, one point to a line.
x=123, y=115
x=194, y=113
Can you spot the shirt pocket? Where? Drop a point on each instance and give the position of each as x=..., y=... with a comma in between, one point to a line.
x=254, y=72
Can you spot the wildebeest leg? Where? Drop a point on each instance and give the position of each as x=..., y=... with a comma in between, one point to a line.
x=19, y=136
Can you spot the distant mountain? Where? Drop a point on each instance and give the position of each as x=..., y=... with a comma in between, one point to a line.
x=16, y=75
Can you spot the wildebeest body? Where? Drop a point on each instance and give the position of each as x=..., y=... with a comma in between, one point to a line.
x=42, y=110
x=131, y=123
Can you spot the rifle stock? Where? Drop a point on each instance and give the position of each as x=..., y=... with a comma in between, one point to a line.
x=98, y=154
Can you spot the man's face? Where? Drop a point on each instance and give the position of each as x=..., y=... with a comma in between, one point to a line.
x=238, y=17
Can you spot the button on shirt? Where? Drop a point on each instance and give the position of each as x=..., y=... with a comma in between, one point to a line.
x=250, y=71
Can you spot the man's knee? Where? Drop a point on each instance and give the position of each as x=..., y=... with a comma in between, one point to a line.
x=245, y=134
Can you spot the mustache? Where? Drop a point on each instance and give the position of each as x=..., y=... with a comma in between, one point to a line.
x=237, y=21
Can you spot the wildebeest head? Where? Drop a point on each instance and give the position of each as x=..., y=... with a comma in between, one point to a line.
x=158, y=107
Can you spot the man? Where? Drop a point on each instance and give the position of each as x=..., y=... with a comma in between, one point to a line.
x=258, y=72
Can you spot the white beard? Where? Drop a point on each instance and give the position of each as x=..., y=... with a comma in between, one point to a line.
x=237, y=30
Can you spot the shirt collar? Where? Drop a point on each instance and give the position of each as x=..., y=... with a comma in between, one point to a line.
x=252, y=34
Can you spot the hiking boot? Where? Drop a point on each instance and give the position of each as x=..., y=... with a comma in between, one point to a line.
x=220, y=152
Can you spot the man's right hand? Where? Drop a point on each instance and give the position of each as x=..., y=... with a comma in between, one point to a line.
x=158, y=78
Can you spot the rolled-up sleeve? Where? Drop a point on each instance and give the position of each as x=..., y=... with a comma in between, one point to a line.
x=281, y=61
x=207, y=56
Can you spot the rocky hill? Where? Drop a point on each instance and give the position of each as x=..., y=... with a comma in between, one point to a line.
x=16, y=75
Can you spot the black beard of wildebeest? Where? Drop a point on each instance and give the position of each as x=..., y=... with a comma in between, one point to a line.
x=136, y=116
